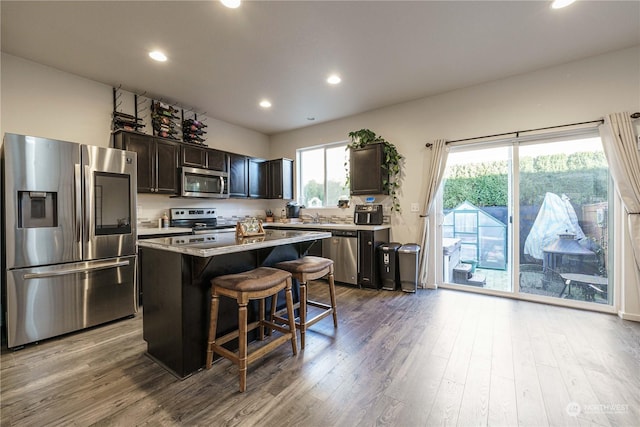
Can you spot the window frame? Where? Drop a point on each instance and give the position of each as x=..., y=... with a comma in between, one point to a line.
x=299, y=165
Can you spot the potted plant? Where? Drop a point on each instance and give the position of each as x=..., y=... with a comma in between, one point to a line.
x=391, y=161
x=269, y=215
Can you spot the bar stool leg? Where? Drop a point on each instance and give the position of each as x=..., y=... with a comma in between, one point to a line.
x=292, y=320
x=212, y=328
x=303, y=312
x=261, y=313
x=332, y=293
x=242, y=345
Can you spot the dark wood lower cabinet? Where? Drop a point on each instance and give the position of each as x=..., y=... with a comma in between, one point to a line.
x=177, y=300
x=368, y=243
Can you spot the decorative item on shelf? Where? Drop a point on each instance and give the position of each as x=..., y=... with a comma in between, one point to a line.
x=164, y=120
x=248, y=228
x=269, y=215
x=391, y=163
x=122, y=120
x=343, y=203
x=193, y=130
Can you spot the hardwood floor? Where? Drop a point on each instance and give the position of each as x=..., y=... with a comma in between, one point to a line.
x=432, y=358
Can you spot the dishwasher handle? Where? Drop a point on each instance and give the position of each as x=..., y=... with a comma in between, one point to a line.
x=344, y=233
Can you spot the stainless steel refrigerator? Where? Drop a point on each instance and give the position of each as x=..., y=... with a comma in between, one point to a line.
x=69, y=227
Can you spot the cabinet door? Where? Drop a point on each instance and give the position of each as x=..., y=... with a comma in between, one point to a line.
x=144, y=147
x=166, y=166
x=281, y=179
x=365, y=172
x=238, y=177
x=217, y=160
x=258, y=174
x=193, y=157
x=368, y=243
x=366, y=255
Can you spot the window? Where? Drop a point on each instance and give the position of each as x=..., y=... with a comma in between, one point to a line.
x=322, y=173
x=529, y=217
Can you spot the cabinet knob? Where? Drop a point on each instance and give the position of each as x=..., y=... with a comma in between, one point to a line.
x=369, y=243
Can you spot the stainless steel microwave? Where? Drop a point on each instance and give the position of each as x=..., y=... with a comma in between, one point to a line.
x=204, y=183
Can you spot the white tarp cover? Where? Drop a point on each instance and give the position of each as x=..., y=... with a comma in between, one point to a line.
x=556, y=216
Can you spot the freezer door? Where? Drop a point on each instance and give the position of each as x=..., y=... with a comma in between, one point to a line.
x=41, y=200
x=44, y=302
x=109, y=185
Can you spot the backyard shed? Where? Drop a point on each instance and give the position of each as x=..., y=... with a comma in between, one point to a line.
x=483, y=237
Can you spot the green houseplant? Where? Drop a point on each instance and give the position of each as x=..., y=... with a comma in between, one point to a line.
x=391, y=161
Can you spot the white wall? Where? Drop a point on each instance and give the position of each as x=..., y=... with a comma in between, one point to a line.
x=579, y=91
x=575, y=92
x=42, y=101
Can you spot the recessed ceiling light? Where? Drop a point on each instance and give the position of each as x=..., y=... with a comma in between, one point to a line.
x=265, y=103
x=158, y=56
x=559, y=4
x=334, y=79
x=231, y=4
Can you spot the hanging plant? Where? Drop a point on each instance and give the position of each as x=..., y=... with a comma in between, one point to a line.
x=391, y=161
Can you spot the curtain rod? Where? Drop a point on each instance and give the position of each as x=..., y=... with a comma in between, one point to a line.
x=518, y=132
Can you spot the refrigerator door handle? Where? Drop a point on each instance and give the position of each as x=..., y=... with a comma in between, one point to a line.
x=78, y=202
x=88, y=223
x=64, y=272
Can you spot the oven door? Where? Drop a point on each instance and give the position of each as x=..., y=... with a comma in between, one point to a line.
x=204, y=183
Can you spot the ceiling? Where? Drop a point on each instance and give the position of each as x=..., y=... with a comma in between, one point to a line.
x=222, y=62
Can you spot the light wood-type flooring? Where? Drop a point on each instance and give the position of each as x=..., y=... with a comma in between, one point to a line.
x=437, y=357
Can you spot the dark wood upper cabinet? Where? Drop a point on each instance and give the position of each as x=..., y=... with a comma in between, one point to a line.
x=280, y=179
x=157, y=168
x=238, y=176
x=366, y=175
x=202, y=157
x=217, y=160
x=194, y=157
x=166, y=166
x=258, y=178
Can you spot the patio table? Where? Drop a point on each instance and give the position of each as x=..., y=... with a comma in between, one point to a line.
x=590, y=283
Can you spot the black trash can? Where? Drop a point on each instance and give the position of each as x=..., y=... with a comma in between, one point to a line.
x=388, y=265
x=409, y=261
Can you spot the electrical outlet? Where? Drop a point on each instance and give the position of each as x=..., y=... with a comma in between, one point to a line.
x=415, y=207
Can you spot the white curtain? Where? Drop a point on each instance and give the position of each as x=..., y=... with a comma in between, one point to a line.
x=621, y=147
x=435, y=163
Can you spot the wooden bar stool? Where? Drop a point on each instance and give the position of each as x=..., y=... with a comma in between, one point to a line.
x=259, y=283
x=305, y=269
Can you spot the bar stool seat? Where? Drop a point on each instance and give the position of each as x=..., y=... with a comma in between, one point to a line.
x=305, y=269
x=257, y=284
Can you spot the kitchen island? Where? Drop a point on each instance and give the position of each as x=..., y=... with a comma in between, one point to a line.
x=176, y=273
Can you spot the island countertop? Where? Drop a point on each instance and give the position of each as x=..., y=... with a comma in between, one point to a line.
x=226, y=242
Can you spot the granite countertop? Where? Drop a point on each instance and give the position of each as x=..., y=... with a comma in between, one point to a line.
x=326, y=226
x=225, y=242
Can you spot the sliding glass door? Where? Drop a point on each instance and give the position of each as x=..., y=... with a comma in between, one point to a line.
x=528, y=217
x=563, y=210
x=476, y=212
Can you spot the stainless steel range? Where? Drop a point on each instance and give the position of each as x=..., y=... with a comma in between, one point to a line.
x=201, y=220
x=69, y=236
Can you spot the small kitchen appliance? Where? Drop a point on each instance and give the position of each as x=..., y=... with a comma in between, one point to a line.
x=204, y=183
x=293, y=210
x=369, y=214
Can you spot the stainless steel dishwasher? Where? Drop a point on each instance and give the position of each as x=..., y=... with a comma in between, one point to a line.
x=342, y=248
